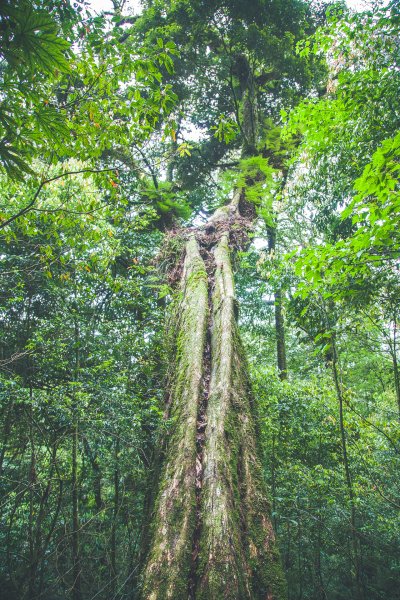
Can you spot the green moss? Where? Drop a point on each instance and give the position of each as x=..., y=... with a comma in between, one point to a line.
x=238, y=556
x=170, y=252
x=168, y=565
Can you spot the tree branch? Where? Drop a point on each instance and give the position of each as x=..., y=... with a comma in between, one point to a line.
x=29, y=206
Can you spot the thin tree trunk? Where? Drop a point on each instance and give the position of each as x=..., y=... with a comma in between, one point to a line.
x=113, y=543
x=279, y=319
x=280, y=336
x=76, y=560
x=319, y=525
x=212, y=537
x=349, y=482
x=273, y=482
x=53, y=523
x=76, y=570
x=396, y=381
x=32, y=484
x=97, y=475
x=393, y=348
x=300, y=556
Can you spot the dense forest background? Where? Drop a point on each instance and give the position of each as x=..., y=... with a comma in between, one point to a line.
x=118, y=130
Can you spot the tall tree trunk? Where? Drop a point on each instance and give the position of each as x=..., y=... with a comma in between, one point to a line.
x=76, y=566
x=279, y=320
x=359, y=593
x=97, y=475
x=32, y=484
x=76, y=560
x=393, y=352
x=212, y=537
x=113, y=541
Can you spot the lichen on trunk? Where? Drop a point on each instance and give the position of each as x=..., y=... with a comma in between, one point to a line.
x=223, y=570
x=212, y=535
x=239, y=558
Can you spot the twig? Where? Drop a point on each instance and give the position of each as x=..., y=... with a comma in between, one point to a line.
x=28, y=207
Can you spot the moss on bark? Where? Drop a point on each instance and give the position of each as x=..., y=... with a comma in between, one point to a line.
x=227, y=521
x=169, y=560
x=223, y=568
x=239, y=557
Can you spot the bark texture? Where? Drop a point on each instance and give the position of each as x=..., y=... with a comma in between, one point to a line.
x=169, y=563
x=212, y=535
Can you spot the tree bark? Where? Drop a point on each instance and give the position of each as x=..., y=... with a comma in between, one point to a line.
x=76, y=565
x=359, y=593
x=32, y=484
x=212, y=537
x=76, y=558
x=280, y=337
x=393, y=352
x=279, y=319
x=113, y=541
x=166, y=574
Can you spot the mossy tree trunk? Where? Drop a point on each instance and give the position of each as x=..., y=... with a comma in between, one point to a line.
x=211, y=534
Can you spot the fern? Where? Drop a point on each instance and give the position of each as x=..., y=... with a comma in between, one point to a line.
x=30, y=39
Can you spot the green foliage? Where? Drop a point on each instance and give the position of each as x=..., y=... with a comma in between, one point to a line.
x=300, y=426
x=32, y=52
x=30, y=39
x=300, y=430
x=256, y=177
x=61, y=100
x=226, y=130
x=374, y=211
x=80, y=340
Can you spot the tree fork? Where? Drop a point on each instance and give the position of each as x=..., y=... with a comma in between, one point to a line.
x=211, y=535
